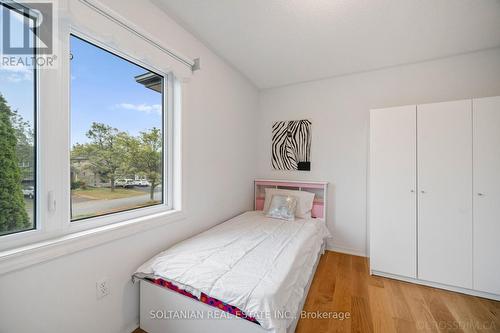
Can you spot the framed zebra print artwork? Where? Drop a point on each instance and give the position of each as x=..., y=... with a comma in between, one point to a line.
x=291, y=145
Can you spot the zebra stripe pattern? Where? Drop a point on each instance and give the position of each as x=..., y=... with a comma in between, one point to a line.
x=291, y=145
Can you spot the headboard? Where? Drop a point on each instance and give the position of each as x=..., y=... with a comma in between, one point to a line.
x=320, y=189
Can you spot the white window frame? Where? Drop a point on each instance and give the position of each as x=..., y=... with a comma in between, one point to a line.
x=55, y=234
x=167, y=132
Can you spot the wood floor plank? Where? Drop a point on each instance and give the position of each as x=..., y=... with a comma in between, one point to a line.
x=326, y=287
x=342, y=297
x=422, y=319
x=492, y=308
x=342, y=284
x=446, y=322
x=486, y=314
x=399, y=302
x=382, y=312
x=320, y=295
x=361, y=315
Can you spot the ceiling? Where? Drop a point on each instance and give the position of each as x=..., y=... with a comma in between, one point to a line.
x=280, y=42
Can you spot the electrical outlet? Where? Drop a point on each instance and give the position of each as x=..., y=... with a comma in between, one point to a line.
x=102, y=288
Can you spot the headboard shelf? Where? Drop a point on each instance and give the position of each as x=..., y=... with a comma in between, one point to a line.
x=320, y=190
x=292, y=183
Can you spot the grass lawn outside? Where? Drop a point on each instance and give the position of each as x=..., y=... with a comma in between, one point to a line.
x=116, y=210
x=103, y=193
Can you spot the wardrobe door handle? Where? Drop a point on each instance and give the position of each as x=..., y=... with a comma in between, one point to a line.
x=480, y=194
x=423, y=192
x=412, y=191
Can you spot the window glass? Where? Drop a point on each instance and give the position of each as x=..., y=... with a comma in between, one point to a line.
x=17, y=128
x=117, y=134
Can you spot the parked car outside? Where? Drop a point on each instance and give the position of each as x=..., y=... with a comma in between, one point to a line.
x=143, y=182
x=29, y=192
x=125, y=183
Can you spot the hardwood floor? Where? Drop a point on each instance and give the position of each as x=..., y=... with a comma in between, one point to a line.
x=342, y=286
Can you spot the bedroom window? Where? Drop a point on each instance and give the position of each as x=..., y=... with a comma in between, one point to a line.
x=17, y=126
x=90, y=144
x=117, y=133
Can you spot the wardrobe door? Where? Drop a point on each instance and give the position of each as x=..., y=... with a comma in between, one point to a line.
x=444, y=142
x=486, y=113
x=392, y=208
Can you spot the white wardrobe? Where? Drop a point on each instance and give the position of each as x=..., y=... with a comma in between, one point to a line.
x=434, y=194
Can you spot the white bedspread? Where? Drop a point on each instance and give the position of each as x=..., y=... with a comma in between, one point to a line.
x=258, y=264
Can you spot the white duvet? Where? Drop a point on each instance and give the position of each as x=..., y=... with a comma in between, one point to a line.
x=258, y=264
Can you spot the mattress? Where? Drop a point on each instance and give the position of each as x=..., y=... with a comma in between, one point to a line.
x=257, y=264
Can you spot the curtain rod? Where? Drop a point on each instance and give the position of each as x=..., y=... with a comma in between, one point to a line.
x=192, y=64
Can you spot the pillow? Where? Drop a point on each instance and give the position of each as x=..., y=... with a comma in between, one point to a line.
x=282, y=207
x=304, y=201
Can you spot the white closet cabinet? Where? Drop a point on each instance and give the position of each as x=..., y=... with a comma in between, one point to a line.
x=434, y=194
x=392, y=190
x=487, y=194
x=444, y=141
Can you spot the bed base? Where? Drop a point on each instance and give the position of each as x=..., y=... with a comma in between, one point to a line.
x=160, y=309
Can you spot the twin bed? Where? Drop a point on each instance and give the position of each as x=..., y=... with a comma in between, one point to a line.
x=250, y=274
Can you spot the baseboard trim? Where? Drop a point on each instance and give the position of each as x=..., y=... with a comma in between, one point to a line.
x=346, y=250
x=438, y=285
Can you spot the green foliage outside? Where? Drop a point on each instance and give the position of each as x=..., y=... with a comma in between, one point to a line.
x=25, y=145
x=78, y=184
x=105, y=151
x=145, y=157
x=113, y=154
x=13, y=215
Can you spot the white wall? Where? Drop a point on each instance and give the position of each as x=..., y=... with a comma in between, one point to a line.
x=220, y=161
x=339, y=109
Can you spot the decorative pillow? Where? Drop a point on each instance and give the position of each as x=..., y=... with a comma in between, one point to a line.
x=304, y=201
x=282, y=207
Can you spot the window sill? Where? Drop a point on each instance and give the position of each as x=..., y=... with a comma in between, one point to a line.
x=32, y=254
